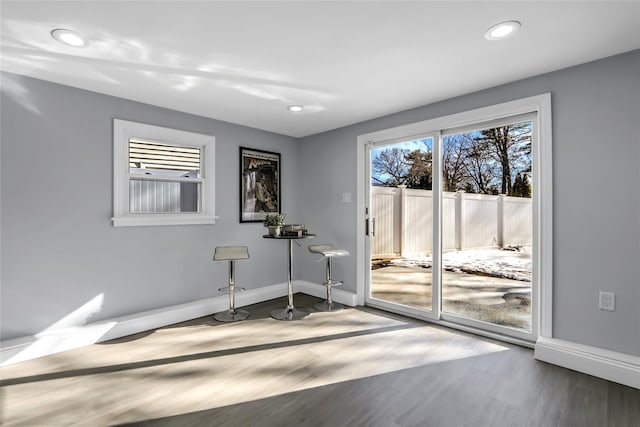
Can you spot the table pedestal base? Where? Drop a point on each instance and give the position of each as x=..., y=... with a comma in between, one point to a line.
x=325, y=306
x=289, y=313
x=231, y=316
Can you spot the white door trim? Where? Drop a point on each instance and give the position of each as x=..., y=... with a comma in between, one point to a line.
x=542, y=186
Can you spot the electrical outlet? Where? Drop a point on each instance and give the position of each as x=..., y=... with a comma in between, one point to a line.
x=607, y=301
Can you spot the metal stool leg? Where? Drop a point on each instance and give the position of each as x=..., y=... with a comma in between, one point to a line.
x=328, y=305
x=231, y=315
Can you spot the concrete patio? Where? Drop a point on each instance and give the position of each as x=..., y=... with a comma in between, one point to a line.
x=470, y=285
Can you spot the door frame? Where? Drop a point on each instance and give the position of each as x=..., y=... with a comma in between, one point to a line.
x=542, y=230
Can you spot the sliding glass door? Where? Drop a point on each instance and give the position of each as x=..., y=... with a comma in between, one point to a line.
x=450, y=225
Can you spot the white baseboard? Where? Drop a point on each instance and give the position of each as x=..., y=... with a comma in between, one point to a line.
x=610, y=365
x=62, y=339
x=320, y=291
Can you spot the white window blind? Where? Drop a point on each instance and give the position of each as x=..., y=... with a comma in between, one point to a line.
x=162, y=176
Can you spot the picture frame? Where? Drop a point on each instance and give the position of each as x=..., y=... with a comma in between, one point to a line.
x=259, y=184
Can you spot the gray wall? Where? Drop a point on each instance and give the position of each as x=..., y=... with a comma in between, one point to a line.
x=596, y=140
x=59, y=249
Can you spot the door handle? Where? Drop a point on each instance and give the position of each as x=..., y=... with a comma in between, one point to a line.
x=373, y=227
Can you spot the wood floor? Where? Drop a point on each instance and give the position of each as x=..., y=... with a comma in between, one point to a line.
x=357, y=367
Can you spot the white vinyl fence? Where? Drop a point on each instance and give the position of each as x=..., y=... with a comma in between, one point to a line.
x=404, y=221
x=147, y=196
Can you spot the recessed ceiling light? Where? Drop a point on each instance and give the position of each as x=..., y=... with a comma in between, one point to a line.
x=295, y=108
x=68, y=37
x=502, y=30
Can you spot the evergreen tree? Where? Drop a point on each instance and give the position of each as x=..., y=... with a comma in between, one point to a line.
x=521, y=186
x=516, y=189
x=526, y=186
x=420, y=173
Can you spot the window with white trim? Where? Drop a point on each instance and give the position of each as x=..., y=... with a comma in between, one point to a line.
x=162, y=176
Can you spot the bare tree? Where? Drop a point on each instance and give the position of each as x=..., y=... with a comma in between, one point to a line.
x=480, y=161
x=508, y=145
x=454, y=174
x=478, y=165
x=392, y=162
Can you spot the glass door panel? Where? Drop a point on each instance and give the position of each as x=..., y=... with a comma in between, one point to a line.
x=401, y=224
x=487, y=226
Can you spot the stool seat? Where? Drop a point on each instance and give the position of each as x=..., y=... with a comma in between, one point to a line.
x=329, y=252
x=228, y=253
x=231, y=254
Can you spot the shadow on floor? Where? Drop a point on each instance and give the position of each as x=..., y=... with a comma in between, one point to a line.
x=453, y=393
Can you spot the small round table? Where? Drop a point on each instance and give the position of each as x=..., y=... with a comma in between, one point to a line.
x=289, y=312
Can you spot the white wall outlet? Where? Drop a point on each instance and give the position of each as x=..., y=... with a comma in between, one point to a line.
x=607, y=301
x=346, y=197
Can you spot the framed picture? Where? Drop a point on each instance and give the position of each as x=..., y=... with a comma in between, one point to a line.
x=259, y=184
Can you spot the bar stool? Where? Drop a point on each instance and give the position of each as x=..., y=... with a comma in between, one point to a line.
x=231, y=254
x=328, y=252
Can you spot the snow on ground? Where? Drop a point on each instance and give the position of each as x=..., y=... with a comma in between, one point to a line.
x=509, y=264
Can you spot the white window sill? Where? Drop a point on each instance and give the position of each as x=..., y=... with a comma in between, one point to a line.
x=162, y=219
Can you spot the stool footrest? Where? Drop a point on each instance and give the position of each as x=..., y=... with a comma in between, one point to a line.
x=336, y=283
x=226, y=289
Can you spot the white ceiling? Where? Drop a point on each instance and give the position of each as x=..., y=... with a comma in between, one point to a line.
x=348, y=61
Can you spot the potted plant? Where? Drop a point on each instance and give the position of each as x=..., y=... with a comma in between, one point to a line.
x=274, y=222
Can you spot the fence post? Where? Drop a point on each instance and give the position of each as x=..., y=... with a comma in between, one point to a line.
x=459, y=222
x=403, y=218
x=501, y=220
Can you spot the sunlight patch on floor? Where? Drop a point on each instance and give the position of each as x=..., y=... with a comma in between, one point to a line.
x=182, y=369
x=70, y=332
